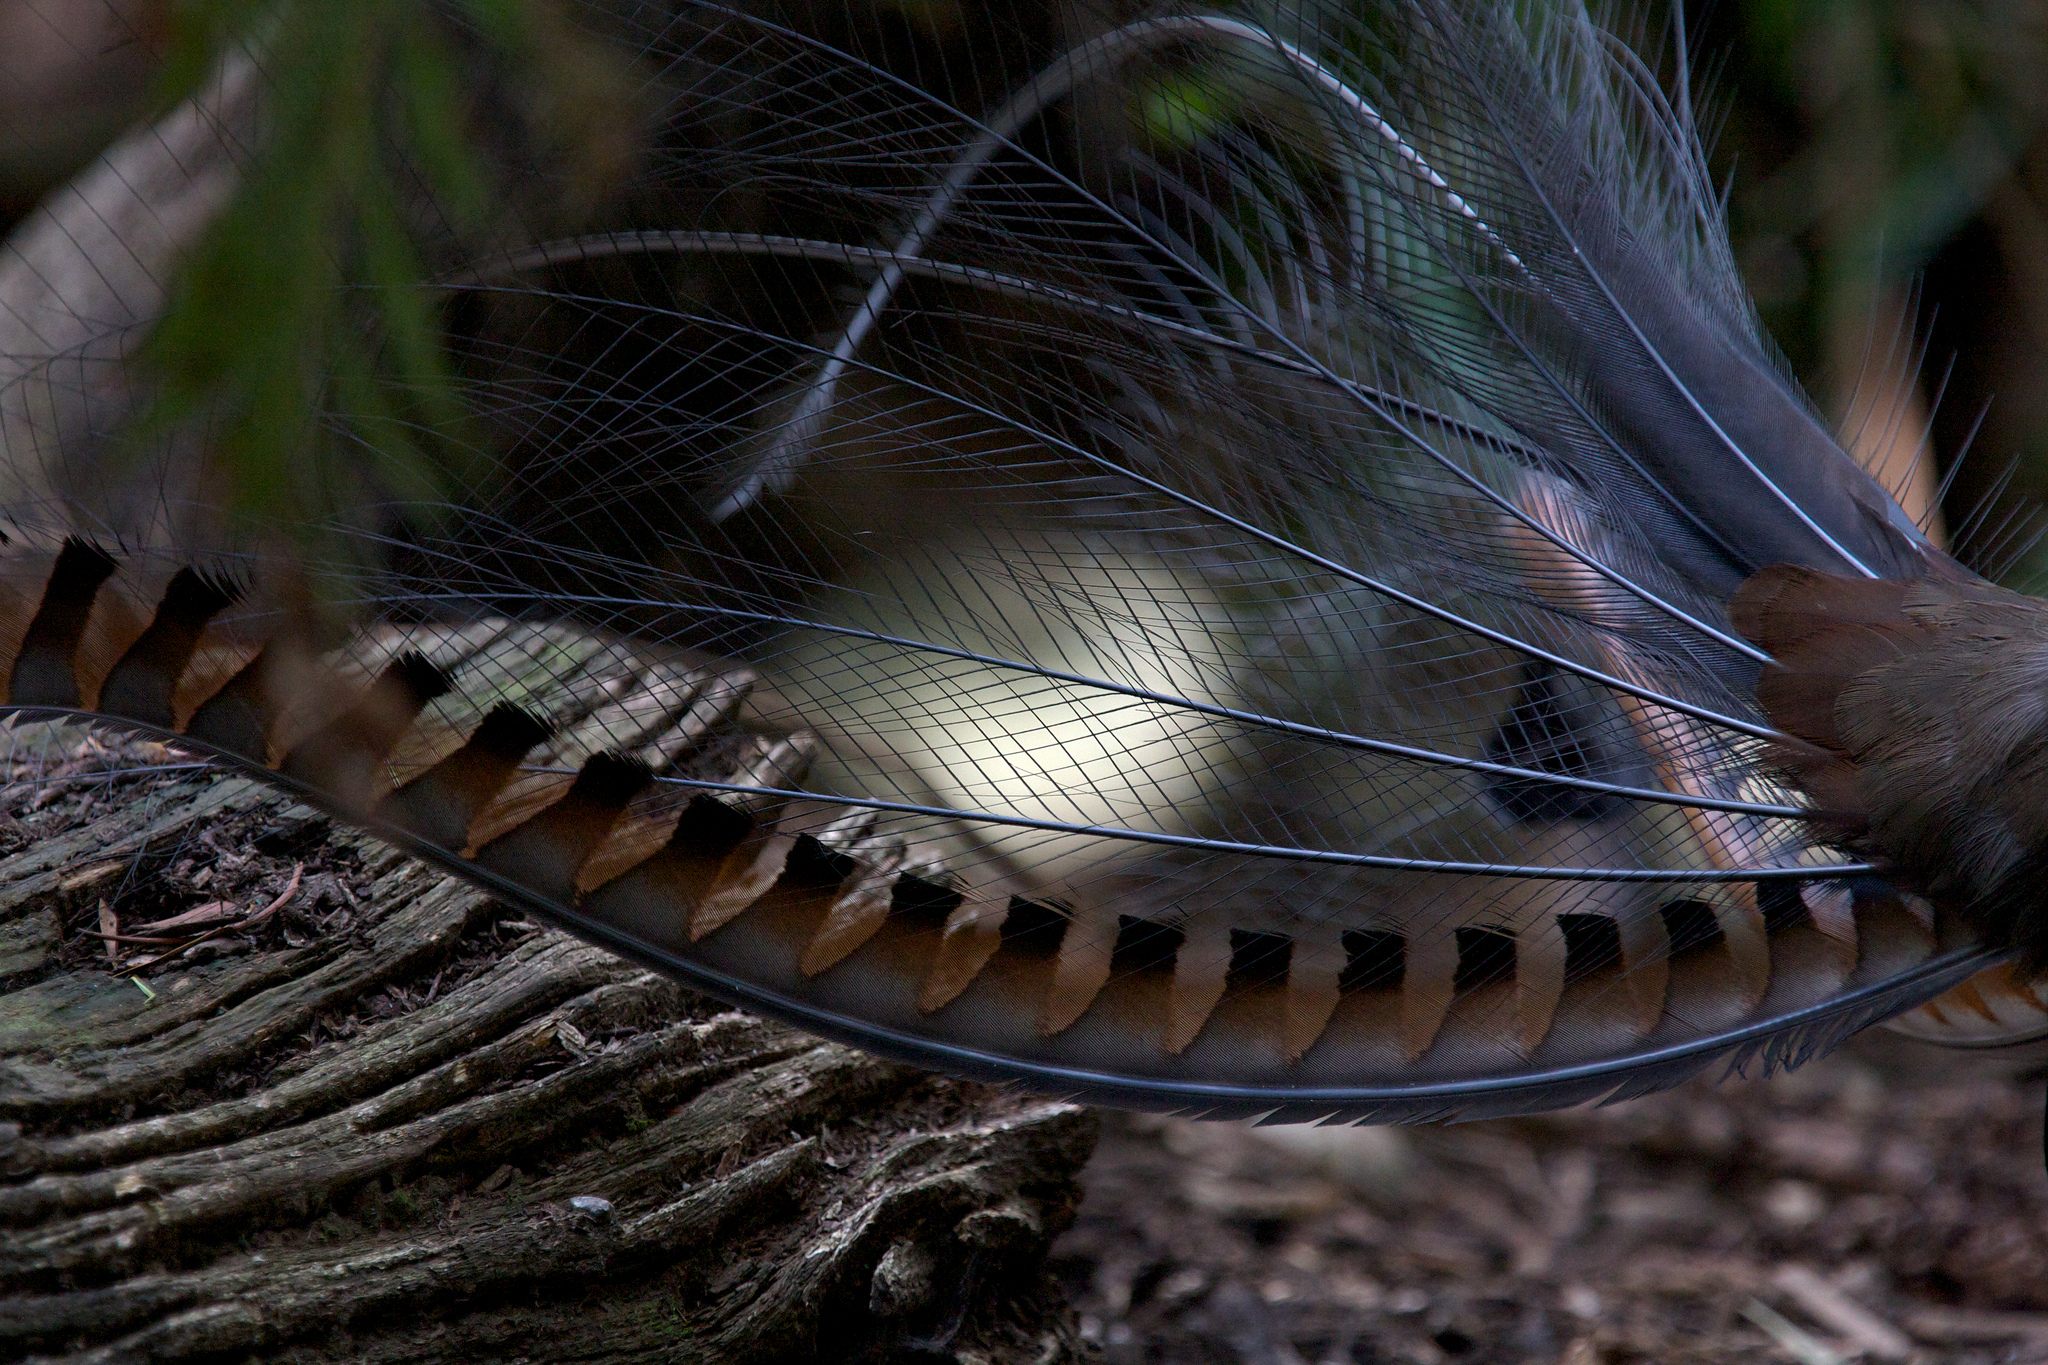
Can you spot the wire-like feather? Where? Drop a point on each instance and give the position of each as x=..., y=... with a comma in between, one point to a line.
x=1228, y=512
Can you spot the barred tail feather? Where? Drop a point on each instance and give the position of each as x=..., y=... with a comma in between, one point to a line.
x=1180, y=557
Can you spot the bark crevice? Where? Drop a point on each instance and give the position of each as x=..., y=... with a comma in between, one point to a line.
x=394, y=1122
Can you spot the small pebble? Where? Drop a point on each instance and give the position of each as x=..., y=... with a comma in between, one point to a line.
x=902, y=1282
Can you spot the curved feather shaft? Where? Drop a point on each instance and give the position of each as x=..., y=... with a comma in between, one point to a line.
x=1187, y=560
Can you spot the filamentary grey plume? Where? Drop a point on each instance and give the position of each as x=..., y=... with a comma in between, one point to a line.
x=1250, y=558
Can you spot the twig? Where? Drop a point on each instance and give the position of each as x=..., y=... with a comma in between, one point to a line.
x=1842, y=1315
x=1795, y=1340
x=110, y=931
x=291, y=889
x=198, y=914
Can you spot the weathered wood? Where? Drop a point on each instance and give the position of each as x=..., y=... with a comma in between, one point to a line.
x=393, y=1121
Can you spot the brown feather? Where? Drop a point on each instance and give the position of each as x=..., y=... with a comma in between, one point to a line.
x=1925, y=704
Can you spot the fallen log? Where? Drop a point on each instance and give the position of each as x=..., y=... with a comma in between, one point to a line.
x=267, y=1086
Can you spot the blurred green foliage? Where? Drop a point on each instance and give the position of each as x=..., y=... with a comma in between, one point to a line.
x=1867, y=134
x=299, y=329
x=260, y=326
x=1883, y=148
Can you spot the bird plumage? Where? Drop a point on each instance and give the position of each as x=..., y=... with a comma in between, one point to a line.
x=1175, y=553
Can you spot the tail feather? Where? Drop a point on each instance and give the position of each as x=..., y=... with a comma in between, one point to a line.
x=1237, y=618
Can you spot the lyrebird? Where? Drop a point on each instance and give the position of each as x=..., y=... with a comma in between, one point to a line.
x=1247, y=558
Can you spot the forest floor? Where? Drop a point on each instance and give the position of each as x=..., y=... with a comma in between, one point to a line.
x=1887, y=1203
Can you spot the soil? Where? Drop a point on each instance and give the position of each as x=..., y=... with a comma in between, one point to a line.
x=1887, y=1203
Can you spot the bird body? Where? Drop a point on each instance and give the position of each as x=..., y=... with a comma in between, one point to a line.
x=1247, y=558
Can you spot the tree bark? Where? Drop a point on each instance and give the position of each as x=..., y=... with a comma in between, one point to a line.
x=366, y=1113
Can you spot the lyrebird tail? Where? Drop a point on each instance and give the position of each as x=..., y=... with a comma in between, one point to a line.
x=1177, y=553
